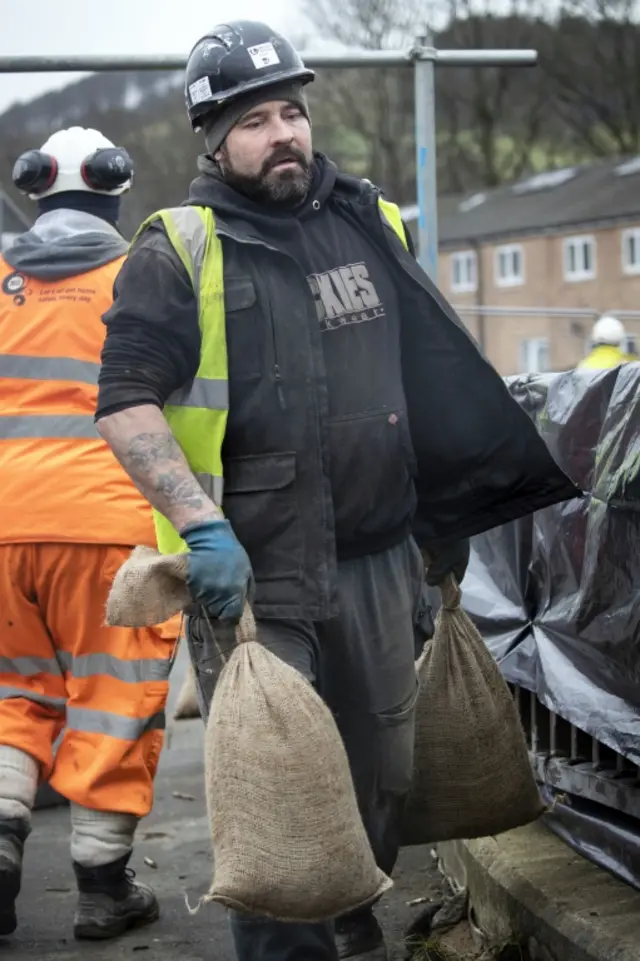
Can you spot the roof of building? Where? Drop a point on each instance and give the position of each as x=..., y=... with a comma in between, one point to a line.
x=542, y=203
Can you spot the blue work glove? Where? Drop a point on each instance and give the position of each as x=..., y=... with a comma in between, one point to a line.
x=449, y=557
x=218, y=569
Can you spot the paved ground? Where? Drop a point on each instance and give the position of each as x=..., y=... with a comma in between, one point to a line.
x=175, y=838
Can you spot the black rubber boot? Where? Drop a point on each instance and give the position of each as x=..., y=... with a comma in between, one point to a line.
x=359, y=937
x=111, y=901
x=13, y=834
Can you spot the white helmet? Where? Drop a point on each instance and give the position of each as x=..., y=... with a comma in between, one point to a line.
x=608, y=330
x=74, y=159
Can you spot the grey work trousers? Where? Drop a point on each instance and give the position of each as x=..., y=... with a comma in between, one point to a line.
x=362, y=664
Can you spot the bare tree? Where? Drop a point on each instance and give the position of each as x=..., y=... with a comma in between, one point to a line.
x=490, y=119
x=365, y=116
x=594, y=63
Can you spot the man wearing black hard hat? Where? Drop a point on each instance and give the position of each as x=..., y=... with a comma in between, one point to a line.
x=275, y=350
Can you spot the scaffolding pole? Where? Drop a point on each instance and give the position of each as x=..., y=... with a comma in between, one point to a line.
x=426, y=57
x=423, y=57
x=344, y=59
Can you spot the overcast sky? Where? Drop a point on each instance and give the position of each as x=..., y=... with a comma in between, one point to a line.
x=118, y=27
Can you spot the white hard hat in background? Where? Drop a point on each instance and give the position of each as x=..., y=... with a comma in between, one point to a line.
x=77, y=158
x=608, y=330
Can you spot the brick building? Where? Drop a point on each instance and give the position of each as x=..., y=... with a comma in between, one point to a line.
x=530, y=265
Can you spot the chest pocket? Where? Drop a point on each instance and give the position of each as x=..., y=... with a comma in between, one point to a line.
x=245, y=323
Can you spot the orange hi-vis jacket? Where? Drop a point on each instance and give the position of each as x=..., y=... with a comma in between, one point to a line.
x=69, y=516
x=59, y=482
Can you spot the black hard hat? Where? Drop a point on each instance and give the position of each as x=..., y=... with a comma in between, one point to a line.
x=236, y=58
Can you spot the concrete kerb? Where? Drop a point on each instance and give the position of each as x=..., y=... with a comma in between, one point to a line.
x=527, y=885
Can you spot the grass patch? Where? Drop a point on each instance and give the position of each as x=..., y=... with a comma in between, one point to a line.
x=430, y=949
x=433, y=949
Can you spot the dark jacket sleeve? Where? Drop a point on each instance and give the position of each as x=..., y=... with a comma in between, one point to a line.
x=152, y=346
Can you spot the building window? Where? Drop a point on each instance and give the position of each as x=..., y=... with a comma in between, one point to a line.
x=534, y=356
x=464, y=271
x=509, y=265
x=579, y=258
x=631, y=251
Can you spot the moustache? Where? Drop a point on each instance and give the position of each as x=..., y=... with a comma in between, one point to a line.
x=283, y=154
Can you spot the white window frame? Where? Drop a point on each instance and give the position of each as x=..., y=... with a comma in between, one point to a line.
x=578, y=275
x=535, y=345
x=464, y=257
x=511, y=279
x=628, y=268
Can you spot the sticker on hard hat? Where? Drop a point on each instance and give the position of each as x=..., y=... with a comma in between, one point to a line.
x=263, y=55
x=200, y=90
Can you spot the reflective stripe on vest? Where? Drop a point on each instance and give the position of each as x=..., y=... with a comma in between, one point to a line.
x=60, y=426
x=197, y=414
x=135, y=671
x=20, y=367
x=48, y=368
x=91, y=721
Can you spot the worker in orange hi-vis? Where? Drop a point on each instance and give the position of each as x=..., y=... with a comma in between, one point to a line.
x=69, y=517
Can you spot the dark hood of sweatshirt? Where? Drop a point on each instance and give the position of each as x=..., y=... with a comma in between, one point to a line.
x=210, y=190
x=63, y=243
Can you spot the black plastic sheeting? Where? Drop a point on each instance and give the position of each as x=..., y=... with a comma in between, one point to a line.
x=609, y=839
x=557, y=595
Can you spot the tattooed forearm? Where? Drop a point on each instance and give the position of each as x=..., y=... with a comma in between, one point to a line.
x=146, y=449
x=143, y=443
x=175, y=486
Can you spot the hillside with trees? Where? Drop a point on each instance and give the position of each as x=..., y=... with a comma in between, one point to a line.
x=494, y=124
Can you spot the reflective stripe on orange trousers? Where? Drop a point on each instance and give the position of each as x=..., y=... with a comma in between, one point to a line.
x=60, y=667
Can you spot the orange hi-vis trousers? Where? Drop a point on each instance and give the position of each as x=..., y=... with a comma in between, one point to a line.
x=61, y=668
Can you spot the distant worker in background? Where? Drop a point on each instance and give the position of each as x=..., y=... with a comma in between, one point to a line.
x=607, y=345
x=69, y=516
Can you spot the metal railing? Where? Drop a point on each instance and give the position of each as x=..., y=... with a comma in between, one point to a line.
x=572, y=761
x=588, y=313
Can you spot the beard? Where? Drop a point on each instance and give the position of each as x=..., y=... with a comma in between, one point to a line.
x=271, y=185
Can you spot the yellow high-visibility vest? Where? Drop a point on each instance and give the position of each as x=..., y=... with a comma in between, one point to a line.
x=603, y=357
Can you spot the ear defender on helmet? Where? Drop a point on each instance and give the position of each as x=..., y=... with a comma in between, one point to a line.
x=108, y=168
x=34, y=172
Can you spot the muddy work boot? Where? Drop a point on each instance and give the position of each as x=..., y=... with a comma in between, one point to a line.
x=111, y=901
x=13, y=834
x=359, y=937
